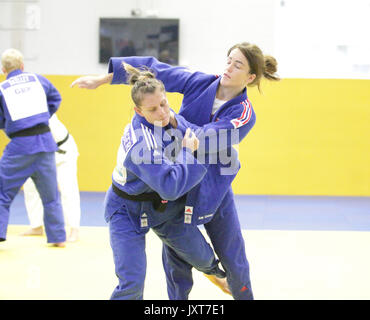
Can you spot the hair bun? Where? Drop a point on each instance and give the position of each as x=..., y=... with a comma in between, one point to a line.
x=143, y=82
x=270, y=64
x=137, y=75
x=270, y=68
x=145, y=75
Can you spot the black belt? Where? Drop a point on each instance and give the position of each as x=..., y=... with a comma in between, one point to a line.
x=158, y=203
x=35, y=130
x=62, y=141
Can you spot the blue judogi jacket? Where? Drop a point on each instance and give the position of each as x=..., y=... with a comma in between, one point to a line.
x=26, y=100
x=151, y=159
x=229, y=125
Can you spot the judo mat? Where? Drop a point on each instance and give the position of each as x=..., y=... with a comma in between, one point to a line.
x=299, y=248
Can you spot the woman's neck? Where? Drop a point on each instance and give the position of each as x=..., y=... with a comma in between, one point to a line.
x=228, y=93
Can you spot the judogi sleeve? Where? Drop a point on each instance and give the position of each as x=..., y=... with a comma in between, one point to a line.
x=169, y=179
x=53, y=96
x=175, y=78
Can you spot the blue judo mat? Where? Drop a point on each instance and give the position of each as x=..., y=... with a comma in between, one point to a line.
x=255, y=212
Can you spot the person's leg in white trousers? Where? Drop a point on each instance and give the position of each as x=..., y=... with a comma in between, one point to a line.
x=69, y=192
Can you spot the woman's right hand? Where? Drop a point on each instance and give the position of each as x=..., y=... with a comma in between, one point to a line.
x=92, y=82
x=190, y=141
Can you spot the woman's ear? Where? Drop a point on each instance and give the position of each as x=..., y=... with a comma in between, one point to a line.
x=251, y=78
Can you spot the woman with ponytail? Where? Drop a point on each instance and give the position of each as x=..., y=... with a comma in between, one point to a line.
x=148, y=188
x=215, y=107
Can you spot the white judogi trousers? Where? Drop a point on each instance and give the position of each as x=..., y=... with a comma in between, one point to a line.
x=68, y=186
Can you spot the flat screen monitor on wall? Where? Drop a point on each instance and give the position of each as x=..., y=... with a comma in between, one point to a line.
x=119, y=37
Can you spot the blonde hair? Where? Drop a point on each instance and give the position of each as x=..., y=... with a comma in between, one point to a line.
x=143, y=82
x=261, y=65
x=11, y=60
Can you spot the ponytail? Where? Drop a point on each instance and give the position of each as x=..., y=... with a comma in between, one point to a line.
x=270, y=68
x=136, y=75
x=143, y=81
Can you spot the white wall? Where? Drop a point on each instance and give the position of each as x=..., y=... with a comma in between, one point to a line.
x=309, y=38
x=66, y=41
x=323, y=38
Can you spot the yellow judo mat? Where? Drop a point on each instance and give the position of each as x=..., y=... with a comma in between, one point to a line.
x=284, y=265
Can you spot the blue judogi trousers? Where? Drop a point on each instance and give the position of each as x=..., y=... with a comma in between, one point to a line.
x=14, y=171
x=227, y=240
x=129, y=255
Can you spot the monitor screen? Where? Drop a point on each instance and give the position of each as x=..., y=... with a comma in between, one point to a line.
x=120, y=37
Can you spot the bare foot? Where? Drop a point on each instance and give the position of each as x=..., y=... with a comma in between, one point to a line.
x=59, y=244
x=74, y=235
x=38, y=231
x=219, y=282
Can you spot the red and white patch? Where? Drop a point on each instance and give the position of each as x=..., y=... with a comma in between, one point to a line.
x=245, y=116
x=188, y=210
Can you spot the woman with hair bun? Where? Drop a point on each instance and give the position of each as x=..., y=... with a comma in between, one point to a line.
x=148, y=188
x=218, y=110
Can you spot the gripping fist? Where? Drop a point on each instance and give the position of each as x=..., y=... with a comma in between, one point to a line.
x=190, y=141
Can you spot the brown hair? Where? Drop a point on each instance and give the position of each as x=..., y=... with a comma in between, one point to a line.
x=143, y=81
x=261, y=65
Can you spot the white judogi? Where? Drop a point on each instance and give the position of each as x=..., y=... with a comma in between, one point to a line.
x=66, y=164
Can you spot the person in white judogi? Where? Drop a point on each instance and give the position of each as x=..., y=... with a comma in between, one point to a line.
x=66, y=163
